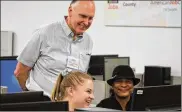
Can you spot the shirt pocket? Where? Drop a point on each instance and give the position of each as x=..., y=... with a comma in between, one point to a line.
x=84, y=59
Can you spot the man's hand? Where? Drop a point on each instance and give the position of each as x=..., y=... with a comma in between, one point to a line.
x=22, y=73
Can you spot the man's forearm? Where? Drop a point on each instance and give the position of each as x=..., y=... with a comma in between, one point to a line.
x=22, y=80
x=22, y=73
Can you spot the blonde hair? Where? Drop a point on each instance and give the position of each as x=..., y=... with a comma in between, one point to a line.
x=70, y=80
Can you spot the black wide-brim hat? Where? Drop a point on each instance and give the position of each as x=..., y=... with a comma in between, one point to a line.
x=123, y=72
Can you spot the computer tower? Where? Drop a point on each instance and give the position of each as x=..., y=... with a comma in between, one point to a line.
x=157, y=75
x=167, y=75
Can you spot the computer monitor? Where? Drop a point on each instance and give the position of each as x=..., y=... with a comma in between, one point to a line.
x=36, y=106
x=111, y=62
x=96, y=65
x=8, y=79
x=157, y=75
x=157, y=98
x=27, y=96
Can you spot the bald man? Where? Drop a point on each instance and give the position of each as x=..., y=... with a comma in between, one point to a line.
x=56, y=48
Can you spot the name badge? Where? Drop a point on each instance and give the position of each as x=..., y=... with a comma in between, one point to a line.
x=72, y=62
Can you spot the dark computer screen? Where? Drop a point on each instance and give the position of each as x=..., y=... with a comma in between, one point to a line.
x=27, y=96
x=157, y=75
x=36, y=106
x=156, y=98
x=7, y=78
x=96, y=65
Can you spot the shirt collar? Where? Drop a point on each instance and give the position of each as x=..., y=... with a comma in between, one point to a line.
x=66, y=28
x=68, y=31
x=128, y=105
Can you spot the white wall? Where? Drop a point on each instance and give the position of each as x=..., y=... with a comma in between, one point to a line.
x=145, y=46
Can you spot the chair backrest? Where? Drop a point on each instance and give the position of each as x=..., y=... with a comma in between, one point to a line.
x=99, y=91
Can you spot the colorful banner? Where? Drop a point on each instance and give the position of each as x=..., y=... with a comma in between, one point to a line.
x=143, y=13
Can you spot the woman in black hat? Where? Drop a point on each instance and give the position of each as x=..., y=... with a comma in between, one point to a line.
x=122, y=83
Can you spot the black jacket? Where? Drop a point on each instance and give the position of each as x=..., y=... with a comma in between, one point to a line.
x=112, y=103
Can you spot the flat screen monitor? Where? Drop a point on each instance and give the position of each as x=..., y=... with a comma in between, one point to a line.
x=7, y=78
x=157, y=98
x=157, y=75
x=111, y=62
x=96, y=65
x=36, y=106
x=27, y=96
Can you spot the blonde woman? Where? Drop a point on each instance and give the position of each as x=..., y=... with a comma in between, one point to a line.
x=76, y=88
